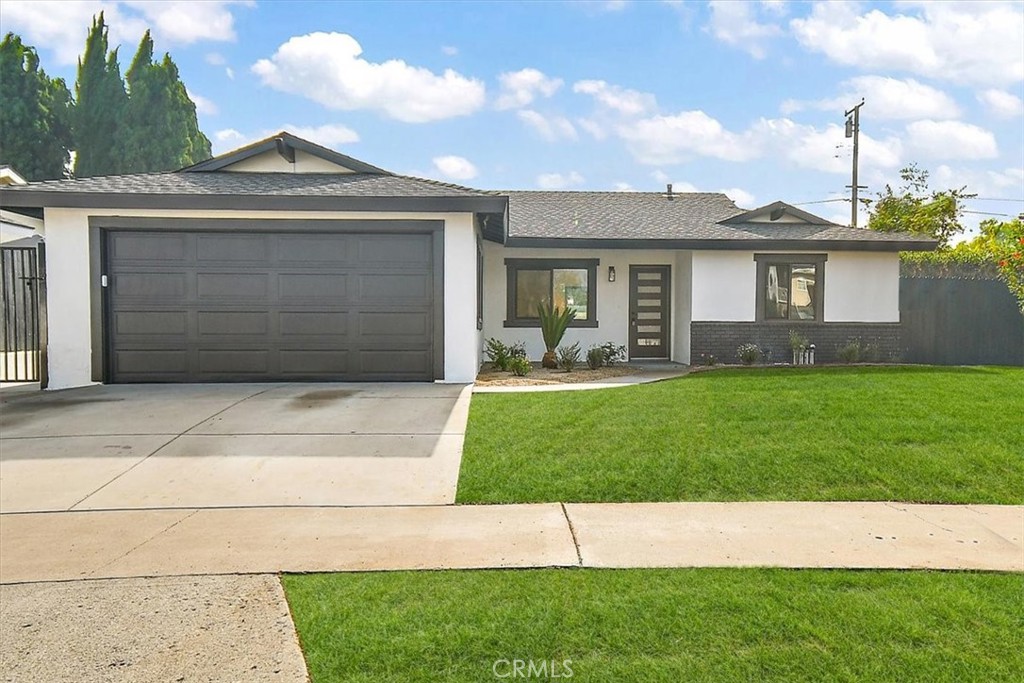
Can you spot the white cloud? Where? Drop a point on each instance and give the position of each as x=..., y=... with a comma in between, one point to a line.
x=230, y=72
x=203, y=105
x=734, y=23
x=559, y=181
x=886, y=98
x=327, y=68
x=950, y=140
x=623, y=187
x=449, y=50
x=1001, y=103
x=551, y=128
x=622, y=100
x=672, y=139
x=613, y=5
x=960, y=42
x=775, y=6
x=215, y=59
x=61, y=25
x=520, y=88
x=596, y=130
x=229, y=136
x=455, y=167
x=739, y=196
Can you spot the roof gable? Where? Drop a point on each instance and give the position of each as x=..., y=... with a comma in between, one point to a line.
x=284, y=153
x=777, y=212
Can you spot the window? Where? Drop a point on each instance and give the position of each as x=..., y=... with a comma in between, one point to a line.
x=566, y=283
x=790, y=286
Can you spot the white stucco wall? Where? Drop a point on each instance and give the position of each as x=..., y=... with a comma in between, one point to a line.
x=612, y=298
x=862, y=287
x=723, y=286
x=68, y=284
x=859, y=286
x=682, y=282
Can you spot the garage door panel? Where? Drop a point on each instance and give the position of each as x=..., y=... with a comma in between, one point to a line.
x=315, y=286
x=232, y=323
x=150, y=322
x=314, y=323
x=158, y=247
x=168, y=286
x=314, y=249
x=227, y=247
x=232, y=285
x=270, y=306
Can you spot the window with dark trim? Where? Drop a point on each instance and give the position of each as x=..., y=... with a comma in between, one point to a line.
x=568, y=283
x=790, y=287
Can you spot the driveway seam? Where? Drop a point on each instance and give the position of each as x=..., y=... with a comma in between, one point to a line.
x=572, y=532
x=165, y=445
x=136, y=547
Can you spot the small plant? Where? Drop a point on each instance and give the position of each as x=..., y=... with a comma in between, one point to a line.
x=519, y=366
x=553, y=324
x=613, y=353
x=569, y=357
x=850, y=352
x=871, y=353
x=797, y=342
x=803, y=351
x=595, y=357
x=498, y=353
x=708, y=359
x=517, y=350
x=749, y=353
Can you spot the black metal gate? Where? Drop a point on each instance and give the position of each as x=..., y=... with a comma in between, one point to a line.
x=23, y=314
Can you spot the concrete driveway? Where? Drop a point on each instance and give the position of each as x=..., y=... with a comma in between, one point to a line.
x=230, y=445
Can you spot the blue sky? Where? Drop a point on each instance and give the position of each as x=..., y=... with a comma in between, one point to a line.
x=742, y=97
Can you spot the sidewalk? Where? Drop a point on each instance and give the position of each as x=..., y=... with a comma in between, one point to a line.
x=172, y=542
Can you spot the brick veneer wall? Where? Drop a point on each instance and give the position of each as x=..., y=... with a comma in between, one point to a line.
x=723, y=338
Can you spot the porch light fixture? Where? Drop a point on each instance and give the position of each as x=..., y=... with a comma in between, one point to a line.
x=611, y=273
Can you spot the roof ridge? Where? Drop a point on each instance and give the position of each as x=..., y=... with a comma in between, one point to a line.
x=441, y=183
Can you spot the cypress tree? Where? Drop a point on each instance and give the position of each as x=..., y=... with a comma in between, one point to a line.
x=35, y=132
x=99, y=107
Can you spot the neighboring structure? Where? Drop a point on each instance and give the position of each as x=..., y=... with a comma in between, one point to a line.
x=15, y=226
x=287, y=261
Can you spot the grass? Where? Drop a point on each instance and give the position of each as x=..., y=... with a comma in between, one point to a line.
x=924, y=434
x=662, y=625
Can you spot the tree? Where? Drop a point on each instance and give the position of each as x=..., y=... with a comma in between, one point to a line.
x=100, y=102
x=915, y=209
x=35, y=131
x=160, y=131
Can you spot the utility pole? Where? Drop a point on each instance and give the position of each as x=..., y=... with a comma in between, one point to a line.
x=853, y=131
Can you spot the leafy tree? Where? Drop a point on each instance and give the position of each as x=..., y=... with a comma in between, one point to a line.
x=916, y=209
x=100, y=104
x=35, y=131
x=160, y=129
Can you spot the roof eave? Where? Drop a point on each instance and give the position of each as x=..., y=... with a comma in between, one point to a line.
x=720, y=244
x=236, y=202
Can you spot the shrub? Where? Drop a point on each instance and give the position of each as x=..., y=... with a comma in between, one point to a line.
x=850, y=352
x=749, y=353
x=519, y=366
x=797, y=342
x=613, y=353
x=595, y=357
x=871, y=354
x=517, y=350
x=569, y=357
x=497, y=353
x=708, y=359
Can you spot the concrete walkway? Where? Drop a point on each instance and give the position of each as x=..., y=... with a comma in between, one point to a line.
x=168, y=542
x=655, y=372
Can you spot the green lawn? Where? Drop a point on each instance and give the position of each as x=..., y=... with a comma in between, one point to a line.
x=662, y=625
x=926, y=434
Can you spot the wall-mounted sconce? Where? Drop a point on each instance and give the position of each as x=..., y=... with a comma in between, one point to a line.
x=611, y=273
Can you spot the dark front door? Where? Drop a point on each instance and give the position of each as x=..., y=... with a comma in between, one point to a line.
x=648, y=311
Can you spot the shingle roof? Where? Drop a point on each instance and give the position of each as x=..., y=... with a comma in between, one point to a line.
x=263, y=184
x=617, y=215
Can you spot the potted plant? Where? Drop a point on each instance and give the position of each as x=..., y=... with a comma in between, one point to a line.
x=798, y=343
x=553, y=324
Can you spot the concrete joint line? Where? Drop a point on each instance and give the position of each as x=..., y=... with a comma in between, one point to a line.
x=133, y=549
x=914, y=514
x=572, y=532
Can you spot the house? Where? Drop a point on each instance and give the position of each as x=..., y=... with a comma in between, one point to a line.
x=285, y=260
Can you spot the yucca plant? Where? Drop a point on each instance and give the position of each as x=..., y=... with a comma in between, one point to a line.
x=553, y=324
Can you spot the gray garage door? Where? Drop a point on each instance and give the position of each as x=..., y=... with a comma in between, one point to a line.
x=205, y=307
